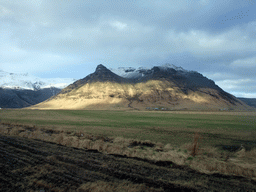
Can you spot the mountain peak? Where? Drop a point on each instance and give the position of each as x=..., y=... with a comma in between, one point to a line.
x=101, y=74
x=101, y=68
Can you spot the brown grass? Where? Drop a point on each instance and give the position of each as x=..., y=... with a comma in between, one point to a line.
x=98, y=145
x=25, y=134
x=15, y=131
x=68, y=141
x=204, y=159
x=86, y=143
x=195, y=145
x=60, y=138
x=251, y=154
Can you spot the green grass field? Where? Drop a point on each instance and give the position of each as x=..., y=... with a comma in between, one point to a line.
x=205, y=141
x=219, y=129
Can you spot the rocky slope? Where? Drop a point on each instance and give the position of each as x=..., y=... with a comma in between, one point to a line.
x=163, y=87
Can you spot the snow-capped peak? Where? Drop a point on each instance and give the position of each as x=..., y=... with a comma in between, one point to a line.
x=26, y=81
x=124, y=71
x=130, y=72
x=171, y=66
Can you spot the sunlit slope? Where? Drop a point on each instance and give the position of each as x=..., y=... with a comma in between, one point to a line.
x=152, y=93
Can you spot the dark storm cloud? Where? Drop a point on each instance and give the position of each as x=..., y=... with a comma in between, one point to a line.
x=216, y=38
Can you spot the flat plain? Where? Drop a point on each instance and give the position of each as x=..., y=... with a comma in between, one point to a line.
x=206, y=142
x=217, y=128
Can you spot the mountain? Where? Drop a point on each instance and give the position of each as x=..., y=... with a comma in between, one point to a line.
x=249, y=101
x=19, y=98
x=26, y=81
x=165, y=87
x=18, y=90
x=102, y=74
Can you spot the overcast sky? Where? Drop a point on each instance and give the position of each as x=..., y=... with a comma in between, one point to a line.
x=69, y=38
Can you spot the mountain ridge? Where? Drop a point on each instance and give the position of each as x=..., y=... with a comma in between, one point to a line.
x=20, y=98
x=30, y=82
x=249, y=101
x=18, y=90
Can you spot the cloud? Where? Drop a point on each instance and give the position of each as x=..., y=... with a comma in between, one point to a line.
x=204, y=2
x=231, y=84
x=241, y=86
x=41, y=62
x=45, y=35
x=201, y=42
x=245, y=95
x=118, y=25
x=5, y=12
x=248, y=62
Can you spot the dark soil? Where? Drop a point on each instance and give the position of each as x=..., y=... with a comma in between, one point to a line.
x=27, y=164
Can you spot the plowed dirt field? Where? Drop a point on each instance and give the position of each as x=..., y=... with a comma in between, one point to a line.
x=35, y=165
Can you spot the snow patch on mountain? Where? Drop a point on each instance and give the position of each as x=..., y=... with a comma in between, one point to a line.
x=126, y=72
x=26, y=81
x=133, y=73
x=171, y=66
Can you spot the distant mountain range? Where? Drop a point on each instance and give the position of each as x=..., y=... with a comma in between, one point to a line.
x=26, y=81
x=19, y=98
x=249, y=101
x=165, y=87
x=18, y=90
